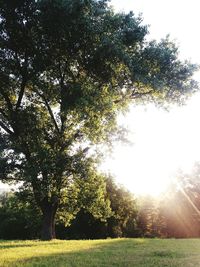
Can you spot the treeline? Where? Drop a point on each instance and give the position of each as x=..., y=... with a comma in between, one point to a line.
x=175, y=215
x=20, y=217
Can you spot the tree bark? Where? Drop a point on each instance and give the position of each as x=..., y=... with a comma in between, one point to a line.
x=48, y=223
x=47, y=229
x=54, y=224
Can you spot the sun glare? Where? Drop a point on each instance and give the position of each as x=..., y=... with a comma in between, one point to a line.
x=162, y=143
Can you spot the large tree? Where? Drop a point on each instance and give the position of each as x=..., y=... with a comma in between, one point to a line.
x=67, y=67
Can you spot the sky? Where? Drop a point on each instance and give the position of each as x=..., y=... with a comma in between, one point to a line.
x=178, y=18
x=163, y=142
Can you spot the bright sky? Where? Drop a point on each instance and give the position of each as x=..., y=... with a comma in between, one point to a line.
x=163, y=141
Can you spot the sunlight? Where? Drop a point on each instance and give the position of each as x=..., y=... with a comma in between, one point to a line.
x=190, y=201
x=163, y=142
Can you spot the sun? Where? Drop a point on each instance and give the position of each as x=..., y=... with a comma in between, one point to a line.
x=163, y=142
x=138, y=172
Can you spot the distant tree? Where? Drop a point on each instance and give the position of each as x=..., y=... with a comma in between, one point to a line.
x=66, y=70
x=123, y=205
x=83, y=226
x=179, y=217
x=85, y=198
x=184, y=219
x=148, y=219
x=121, y=223
x=19, y=219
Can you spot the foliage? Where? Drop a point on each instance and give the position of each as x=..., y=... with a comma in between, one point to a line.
x=129, y=217
x=123, y=204
x=183, y=219
x=88, y=194
x=149, y=220
x=76, y=219
x=18, y=219
x=19, y=211
x=66, y=70
x=84, y=226
x=120, y=223
x=177, y=213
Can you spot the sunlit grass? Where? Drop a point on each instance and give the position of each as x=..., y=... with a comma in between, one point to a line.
x=101, y=253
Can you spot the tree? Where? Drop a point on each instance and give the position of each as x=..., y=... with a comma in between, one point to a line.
x=67, y=67
x=188, y=197
x=148, y=220
x=19, y=219
x=183, y=219
x=120, y=223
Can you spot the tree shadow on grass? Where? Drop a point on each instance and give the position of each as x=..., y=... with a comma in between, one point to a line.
x=22, y=244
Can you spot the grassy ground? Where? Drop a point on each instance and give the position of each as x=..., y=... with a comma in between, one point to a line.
x=101, y=253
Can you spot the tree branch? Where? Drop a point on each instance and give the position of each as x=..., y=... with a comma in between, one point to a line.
x=136, y=95
x=21, y=93
x=2, y=125
x=23, y=71
x=50, y=111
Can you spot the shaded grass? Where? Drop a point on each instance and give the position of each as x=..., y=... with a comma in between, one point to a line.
x=101, y=253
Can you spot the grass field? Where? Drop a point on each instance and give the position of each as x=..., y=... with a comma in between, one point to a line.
x=101, y=253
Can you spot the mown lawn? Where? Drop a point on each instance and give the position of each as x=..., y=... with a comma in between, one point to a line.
x=101, y=253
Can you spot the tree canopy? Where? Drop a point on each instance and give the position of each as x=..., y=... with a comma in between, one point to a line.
x=67, y=67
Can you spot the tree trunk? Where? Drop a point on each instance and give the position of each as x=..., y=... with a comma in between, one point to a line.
x=53, y=225
x=48, y=223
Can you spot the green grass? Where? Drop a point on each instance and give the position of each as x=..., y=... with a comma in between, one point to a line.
x=101, y=253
